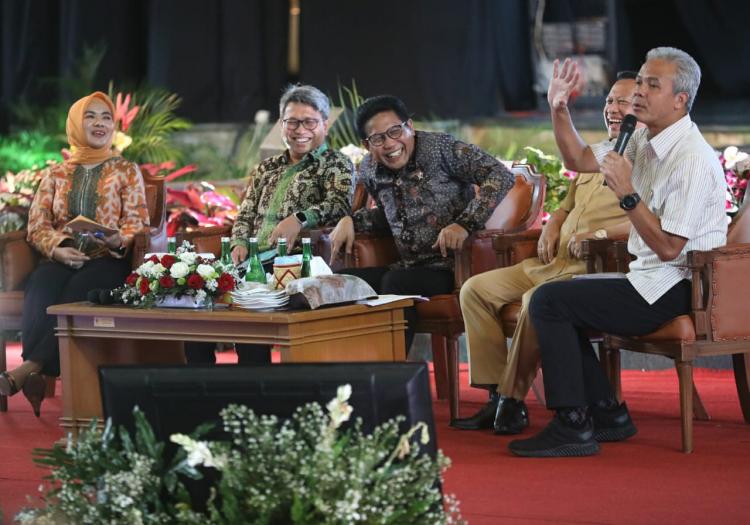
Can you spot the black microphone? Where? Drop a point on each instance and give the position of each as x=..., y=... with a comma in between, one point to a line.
x=626, y=131
x=101, y=296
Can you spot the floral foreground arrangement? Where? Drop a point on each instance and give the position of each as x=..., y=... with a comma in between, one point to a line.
x=306, y=470
x=184, y=274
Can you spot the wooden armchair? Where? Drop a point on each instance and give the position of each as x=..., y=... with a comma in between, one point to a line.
x=18, y=259
x=441, y=316
x=716, y=326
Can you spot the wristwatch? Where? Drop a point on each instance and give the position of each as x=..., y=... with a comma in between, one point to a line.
x=600, y=234
x=301, y=218
x=629, y=202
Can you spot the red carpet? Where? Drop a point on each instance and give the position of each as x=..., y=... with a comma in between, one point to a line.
x=644, y=480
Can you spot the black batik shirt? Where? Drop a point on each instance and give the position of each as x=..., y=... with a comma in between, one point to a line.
x=445, y=181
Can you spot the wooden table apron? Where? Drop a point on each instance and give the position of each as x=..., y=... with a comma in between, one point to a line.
x=92, y=335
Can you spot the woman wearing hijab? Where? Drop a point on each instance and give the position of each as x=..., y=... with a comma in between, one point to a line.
x=106, y=189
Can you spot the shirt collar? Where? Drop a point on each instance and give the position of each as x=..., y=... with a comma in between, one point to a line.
x=669, y=136
x=315, y=154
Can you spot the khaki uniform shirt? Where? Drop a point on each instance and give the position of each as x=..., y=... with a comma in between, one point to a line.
x=590, y=206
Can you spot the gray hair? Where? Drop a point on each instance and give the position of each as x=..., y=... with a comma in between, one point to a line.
x=688, y=75
x=308, y=95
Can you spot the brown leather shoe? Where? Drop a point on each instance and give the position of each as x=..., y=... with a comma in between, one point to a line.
x=34, y=388
x=8, y=385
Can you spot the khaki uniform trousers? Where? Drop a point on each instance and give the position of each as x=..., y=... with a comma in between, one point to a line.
x=491, y=362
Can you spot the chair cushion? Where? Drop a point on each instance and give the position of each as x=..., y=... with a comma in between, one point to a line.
x=509, y=317
x=444, y=306
x=678, y=329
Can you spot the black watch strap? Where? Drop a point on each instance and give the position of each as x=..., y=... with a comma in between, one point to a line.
x=630, y=201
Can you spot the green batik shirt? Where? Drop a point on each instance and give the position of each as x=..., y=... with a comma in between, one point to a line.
x=320, y=186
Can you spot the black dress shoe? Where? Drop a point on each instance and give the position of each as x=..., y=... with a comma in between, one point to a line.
x=612, y=424
x=511, y=417
x=483, y=419
x=558, y=440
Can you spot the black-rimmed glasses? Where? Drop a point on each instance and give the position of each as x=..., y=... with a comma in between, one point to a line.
x=308, y=123
x=394, y=132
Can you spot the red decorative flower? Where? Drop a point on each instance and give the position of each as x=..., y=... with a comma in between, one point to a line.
x=195, y=282
x=168, y=260
x=166, y=281
x=131, y=280
x=154, y=259
x=225, y=283
x=144, y=288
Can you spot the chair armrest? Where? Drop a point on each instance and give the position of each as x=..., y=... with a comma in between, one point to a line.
x=17, y=260
x=605, y=255
x=369, y=249
x=511, y=248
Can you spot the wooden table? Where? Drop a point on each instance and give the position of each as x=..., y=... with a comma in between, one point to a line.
x=92, y=335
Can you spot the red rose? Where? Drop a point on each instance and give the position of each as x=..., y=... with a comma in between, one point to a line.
x=166, y=281
x=131, y=280
x=195, y=282
x=154, y=259
x=144, y=289
x=168, y=260
x=225, y=283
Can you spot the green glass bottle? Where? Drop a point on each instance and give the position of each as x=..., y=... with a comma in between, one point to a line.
x=255, y=272
x=171, y=245
x=281, y=247
x=226, y=253
x=306, y=258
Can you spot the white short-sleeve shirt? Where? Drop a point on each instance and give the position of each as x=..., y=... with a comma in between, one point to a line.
x=679, y=177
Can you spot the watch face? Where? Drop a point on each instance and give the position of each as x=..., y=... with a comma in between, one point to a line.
x=629, y=202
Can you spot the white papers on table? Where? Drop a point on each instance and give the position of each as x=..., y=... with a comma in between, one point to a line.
x=385, y=299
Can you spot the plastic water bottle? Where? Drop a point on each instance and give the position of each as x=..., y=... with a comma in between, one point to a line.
x=306, y=258
x=255, y=272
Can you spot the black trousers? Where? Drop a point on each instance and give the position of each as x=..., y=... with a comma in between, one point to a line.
x=197, y=352
x=406, y=281
x=55, y=283
x=562, y=312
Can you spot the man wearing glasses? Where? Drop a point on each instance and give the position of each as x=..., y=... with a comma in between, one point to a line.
x=424, y=187
x=307, y=186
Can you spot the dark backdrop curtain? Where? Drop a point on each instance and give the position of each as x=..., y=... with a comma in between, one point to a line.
x=227, y=58
x=714, y=32
x=444, y=58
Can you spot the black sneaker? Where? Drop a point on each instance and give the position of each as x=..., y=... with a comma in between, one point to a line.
x=512, y=416
x=558, y=440
x=483, y=419
x=612, y=424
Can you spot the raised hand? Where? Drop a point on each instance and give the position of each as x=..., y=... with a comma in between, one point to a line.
x=563, y=82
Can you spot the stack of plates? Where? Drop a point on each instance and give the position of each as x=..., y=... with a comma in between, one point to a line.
x=259, y=297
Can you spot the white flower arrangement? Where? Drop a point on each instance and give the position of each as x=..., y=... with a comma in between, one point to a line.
x=309, y=469
x=184, y=273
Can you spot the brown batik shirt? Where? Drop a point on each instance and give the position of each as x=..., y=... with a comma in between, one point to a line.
x=319, y=186
x=437, y=187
